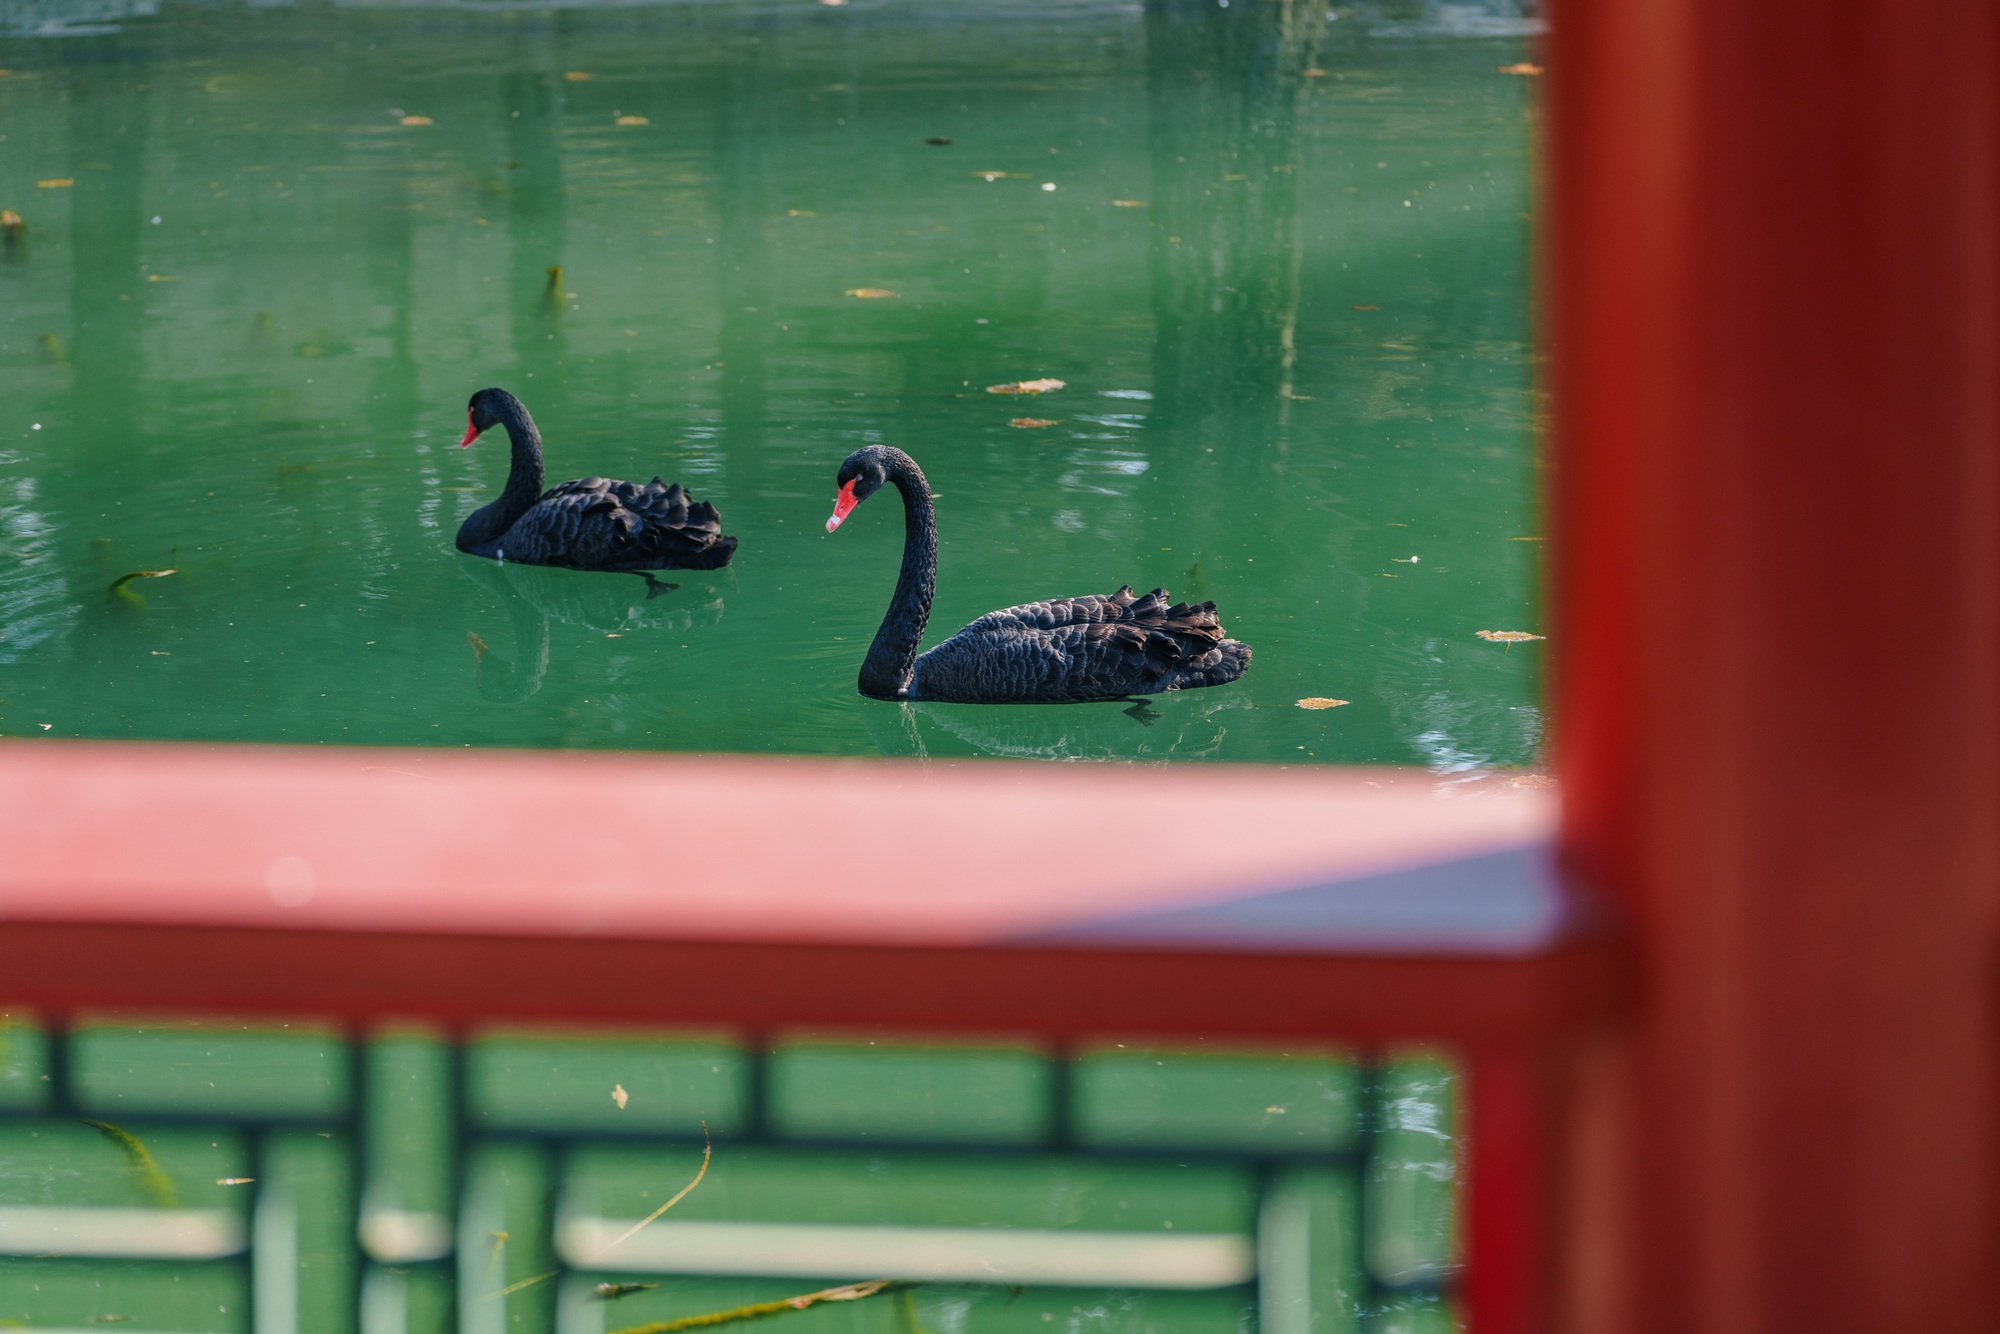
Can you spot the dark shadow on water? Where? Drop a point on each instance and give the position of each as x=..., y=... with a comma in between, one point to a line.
x=1186, y=725
x=535, y=595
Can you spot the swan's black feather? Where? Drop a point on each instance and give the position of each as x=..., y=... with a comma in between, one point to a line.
x=601, y=524
x=1104, y=646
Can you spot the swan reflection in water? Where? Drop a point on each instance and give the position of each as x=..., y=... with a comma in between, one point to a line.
x=534, y=595
x=1180, y=726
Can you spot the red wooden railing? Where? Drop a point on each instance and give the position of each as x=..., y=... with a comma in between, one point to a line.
x=1059, y=903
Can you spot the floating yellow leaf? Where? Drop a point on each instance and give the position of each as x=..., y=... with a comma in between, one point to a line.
x=1508, y=636
x=578, y=75
x=1314, y=73
x=161, y=278
x=1524, y=68
x=1366, y=307
x=57, y=183
x=417, y=120
x=1026, y=423
x=234, y=1181
x=800, y=213
x=620, y=1096
x=10, y=220
x=1320, y=702
x=633, y=120
x=869, y=293
x=1128, y=203
x=1025, y=387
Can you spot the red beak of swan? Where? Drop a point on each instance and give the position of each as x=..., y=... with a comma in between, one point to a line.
x=843, y=505
x=471, y=432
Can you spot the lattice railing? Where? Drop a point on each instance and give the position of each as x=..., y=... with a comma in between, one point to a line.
x=226, y=1178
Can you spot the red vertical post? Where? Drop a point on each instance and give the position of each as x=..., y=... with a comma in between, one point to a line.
x=1506, y=1122
x=1772, y=308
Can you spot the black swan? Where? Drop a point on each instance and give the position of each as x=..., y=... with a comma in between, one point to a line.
x=1066, y=651
x=594, y=524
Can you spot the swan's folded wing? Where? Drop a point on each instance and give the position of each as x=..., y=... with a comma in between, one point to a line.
x=1097, y=608
x=1097, y=647
x=669, y=507
x=1195, y=623
x=580, y=523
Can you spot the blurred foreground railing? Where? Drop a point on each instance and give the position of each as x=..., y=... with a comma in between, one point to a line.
x=914, y=1008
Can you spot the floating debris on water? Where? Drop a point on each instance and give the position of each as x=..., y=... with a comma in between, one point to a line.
x=56, y=183
x=849, y=1292
x=633, y=120
x=707, y=1152
x=1029, y=423
x=620, y=1096
x=939, y=141
x=578, y=75
x=1128, y=203
x=417, y=120
x=118, y=584
x=554, y=296
x=611, y=1292
x=234, y=1181
x=1507, y=636
x=1320, y=702
x=1525, y=69
x=1025, y=387
x=157, y=1185
x=513, y=1288
x=869, y=293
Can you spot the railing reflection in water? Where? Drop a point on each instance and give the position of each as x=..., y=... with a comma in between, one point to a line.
x=210, y=1178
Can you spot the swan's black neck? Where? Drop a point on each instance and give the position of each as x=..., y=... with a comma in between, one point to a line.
x=524, y=481
x=885, y=672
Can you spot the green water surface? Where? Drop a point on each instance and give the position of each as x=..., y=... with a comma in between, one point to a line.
x=1277, y=259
